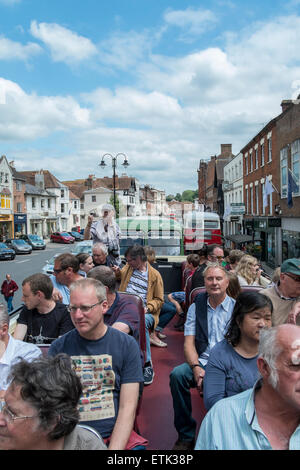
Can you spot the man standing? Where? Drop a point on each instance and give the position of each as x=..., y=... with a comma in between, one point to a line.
x=266, y=416
x=107, y=361
x=8, y=288
x=42, y=319
x=12, y=351
x=139, y=277
x=205, y=326
x=285, y=295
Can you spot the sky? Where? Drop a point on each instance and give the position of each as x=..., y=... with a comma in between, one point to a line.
x=164, y=82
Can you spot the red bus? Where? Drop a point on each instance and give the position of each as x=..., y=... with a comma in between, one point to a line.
x=201, y=228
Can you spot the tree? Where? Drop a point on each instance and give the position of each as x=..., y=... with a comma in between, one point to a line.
x=170, y=197
x=117, y=208
x=178, y=197
x=189, y=195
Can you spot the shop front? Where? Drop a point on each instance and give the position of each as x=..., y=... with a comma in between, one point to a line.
x=290, y=238
x=20, y=224
x=6, y=226
x=270, y=235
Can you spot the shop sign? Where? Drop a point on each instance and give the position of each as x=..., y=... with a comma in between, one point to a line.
x=237, y=208
x=274, y=222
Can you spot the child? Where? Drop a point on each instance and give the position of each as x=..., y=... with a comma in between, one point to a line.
x=177, y=298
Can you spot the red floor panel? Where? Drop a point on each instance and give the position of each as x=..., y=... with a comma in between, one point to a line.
x=156, y=417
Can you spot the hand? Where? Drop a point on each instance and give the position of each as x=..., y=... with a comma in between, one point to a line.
x=292, y=318
x=198, y=377
x=90, y=220
x=56, y=295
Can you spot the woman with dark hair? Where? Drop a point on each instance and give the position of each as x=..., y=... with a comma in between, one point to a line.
x=232, y=367
x=85, y=263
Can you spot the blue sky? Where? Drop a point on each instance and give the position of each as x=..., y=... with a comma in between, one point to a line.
x=165, y=82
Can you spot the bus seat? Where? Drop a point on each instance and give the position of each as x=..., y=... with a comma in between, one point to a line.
x=188, y=286
x=138, y=301
x=44, y=348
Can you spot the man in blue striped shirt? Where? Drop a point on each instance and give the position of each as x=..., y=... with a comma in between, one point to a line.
x=267, y=416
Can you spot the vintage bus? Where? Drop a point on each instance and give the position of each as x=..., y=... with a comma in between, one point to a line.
x=200, y=228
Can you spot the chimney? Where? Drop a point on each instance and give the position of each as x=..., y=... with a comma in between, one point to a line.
x=226, y=150
x=286, y=104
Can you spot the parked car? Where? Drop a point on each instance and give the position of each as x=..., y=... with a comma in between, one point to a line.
x=49, y=265
x=61, y=237
x=19, y=246
x=78, y=237
x=83, y=247
x=35, y=241
x=6, y=252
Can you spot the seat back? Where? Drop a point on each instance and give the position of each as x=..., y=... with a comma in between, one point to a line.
x=142, y=331
x=92, y=431
x=199, y=290
x=188, y=287
x=44, y=348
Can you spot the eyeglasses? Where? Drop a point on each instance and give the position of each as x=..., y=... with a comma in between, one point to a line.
x=295, y=278
x=9, y=416
x=57, y=271
x=82, y=308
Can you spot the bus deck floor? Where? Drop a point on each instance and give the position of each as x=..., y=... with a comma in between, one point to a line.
x=156, y=417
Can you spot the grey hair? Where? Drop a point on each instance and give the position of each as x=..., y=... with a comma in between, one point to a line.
x=215, y=266
x=269, y=351
x=85, y=283
x=4, y=317
x=101, y=246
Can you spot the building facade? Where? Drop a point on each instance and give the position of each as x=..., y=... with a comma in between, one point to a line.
x=6, y=199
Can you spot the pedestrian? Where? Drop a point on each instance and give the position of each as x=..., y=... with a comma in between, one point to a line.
x=8, y=288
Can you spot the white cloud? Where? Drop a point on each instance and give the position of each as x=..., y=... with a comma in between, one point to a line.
x=9, y=2
x=192, y=22
x=65, y=45
x=10, y=50
x=28, y=116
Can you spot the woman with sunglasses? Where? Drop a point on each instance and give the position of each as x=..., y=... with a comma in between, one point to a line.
x=231, y=367
x=248, y=271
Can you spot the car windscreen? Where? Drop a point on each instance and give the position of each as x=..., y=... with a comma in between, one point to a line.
x=34, y=238
x=3, y=246
x=19, y=242
x=64, y=234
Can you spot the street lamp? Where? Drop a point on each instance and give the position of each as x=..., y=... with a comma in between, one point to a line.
x=114, y=165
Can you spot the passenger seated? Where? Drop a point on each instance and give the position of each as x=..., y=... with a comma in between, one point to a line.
x=214, y=308
x=234, y=288
x=233, y=259
x=248, y=271
x=215, y=254
x=266, y=416
x=42, y=319
x=121, y=314
x=12, y=350
x=65, y=271
x=108, y=363
x=139, y=277
x=232, y=363
x=40, y=408
x=178, y=298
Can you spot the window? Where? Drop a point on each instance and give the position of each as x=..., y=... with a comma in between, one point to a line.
x=295, y=160
x=246, y=164
x=250, y=161
x=246, y=202
x=251, y=200
x=49, y=203
x=256, y=158
x=270, y=149
x=5, y=202
x=62, y=208
x=256, y=200
x=283, y=171
x=94, y=199
x=262, y=154
x=62, y=193
x=42, y=203
x=19, y=206
x=75, y=204
x=33, y=202
x=262, y=197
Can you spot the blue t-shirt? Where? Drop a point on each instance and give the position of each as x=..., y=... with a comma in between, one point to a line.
x=103, y=365
x=227, y=373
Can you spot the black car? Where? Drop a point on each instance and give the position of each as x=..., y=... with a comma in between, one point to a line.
x=6, y=252
x=35, y=241
x=78, y=237
x=19, y=246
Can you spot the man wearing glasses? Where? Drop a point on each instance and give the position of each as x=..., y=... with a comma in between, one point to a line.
x=65, y=271
x=42, y=319
x=107, y=361
x=285, y=295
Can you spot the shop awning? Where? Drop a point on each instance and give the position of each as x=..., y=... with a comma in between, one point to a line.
x=240, y=238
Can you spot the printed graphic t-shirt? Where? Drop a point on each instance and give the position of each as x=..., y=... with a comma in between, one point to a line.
x=103, y=365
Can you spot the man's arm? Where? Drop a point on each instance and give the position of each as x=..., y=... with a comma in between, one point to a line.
x=191, y=357
x=20, y=331
x=124, y=424
x=87, y=230
x=121, y=327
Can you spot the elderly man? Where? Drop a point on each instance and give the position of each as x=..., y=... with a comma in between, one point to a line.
x=101, y=256
x=40, y=412
x=42, y=319
x=66, y=271
x=285, y=295
x=139, y=277
x=107, y=361
x=205, y=326
x=122, y=314
x=11, y=351
x=266, y=416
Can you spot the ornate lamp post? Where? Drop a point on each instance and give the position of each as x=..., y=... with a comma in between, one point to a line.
x=114, y=165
